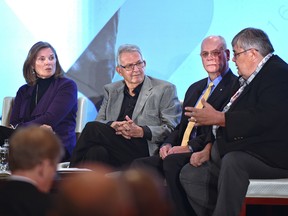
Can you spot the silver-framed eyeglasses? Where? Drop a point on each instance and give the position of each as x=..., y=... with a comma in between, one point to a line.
x=213, y=53
x=130, y=67
x=235, y=55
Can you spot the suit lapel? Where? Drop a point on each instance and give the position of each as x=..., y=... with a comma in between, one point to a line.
x=143, y=96
x=193, y=94
x=218, y=91
x=117, y=97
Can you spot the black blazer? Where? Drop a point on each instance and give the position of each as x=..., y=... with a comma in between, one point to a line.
x=257, y=121
x=219, y=96
x=19, y=198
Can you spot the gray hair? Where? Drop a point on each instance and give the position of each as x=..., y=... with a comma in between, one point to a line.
x=253, y=38
x=127, y=48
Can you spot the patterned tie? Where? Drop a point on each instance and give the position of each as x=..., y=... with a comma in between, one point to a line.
x=190, y=125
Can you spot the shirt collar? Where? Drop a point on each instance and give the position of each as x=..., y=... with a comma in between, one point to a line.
x=217, y=80
x=22, y=178
x=136, y=91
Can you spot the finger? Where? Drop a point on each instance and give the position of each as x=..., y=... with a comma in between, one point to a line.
x=126, y=137
x=189, y=109
x=192, y=119
x=164, y=155
x=193, y=163
x=188, y=114
x=128, y=119
x=203, y=101
x=127, y=129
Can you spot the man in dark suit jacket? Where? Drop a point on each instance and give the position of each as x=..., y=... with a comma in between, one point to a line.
x=173, y=156
x=251, y=139
x=136, y=115
x=34, y=153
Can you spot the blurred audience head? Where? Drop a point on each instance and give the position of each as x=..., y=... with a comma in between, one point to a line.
x=34, y=152
x=89, y=193
x=145, y=192
x=127, y=193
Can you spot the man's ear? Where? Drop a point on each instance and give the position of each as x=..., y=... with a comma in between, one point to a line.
x=40, y=169
x=118, y=69
x=43, y=166
x=227, y=51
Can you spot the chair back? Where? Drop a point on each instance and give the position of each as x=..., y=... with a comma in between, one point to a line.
x=7, y=105
x=81, y=118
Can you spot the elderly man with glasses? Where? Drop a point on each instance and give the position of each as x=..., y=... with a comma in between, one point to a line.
x=136, y=115
x=185, y=144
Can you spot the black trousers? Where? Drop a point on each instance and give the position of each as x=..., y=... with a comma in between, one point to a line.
x=219, y=186
x=170, y=169
x=98, y=142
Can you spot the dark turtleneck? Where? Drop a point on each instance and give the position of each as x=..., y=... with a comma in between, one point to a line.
x=39, y=90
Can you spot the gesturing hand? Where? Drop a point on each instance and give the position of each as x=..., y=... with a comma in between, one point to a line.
x=205, y=116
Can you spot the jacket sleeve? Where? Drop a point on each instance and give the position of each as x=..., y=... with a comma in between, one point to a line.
x=199, y=142
x=102, y=112
x=169, y=114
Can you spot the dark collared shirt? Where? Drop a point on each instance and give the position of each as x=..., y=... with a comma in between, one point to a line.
x=128, y=106
x=129, y=102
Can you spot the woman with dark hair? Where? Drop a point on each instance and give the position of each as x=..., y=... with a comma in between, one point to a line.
x=48, y=99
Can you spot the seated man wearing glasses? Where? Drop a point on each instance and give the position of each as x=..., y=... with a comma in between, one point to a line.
x=135, y=117
x=190, y=143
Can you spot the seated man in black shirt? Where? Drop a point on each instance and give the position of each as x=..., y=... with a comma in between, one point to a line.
x=136, y=115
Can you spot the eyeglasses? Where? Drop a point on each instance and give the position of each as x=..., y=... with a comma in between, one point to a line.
x=214, y=53
x=130, y=67
x=239, y=53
